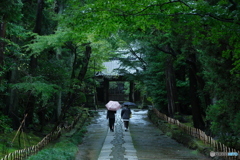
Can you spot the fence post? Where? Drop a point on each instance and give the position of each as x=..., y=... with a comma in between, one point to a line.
x=205, y=138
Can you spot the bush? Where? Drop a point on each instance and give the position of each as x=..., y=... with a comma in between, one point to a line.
x=5, y=124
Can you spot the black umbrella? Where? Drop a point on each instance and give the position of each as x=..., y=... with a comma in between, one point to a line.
x=129, y=104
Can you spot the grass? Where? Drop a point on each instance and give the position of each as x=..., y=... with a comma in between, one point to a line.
x=22, y=140
x=62, y=150
x=65, y=148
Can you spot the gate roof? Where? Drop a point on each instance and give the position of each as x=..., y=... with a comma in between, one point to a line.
x=112, y=68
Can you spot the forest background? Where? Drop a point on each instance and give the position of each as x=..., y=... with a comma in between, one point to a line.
x=187, y=58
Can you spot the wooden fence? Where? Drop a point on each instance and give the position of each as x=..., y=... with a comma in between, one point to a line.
x=24, y=153
x=197, y=133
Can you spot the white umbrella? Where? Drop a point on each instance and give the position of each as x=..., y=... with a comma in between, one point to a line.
x=113, y=105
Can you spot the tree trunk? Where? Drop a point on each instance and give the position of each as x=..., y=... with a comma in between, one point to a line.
x=87, y=55
x=38, y=23
x=33, y=63
x=171, y=88
x=195, y=101
x=106, y=90
x=2, y=46
x=41, y=117
x=181, y=75
x=37, y=29
x=29, y=109
x=83, y=70
x=131, y=93
x=12, y=101
x=70, y=96
x=58, y=105
x=2, y=49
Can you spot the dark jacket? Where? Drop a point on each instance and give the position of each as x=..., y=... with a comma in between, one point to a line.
x=125, y=113
x=111, y=114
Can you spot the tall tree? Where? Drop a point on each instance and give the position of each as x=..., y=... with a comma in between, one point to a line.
x=2, y=44
x=33, y=62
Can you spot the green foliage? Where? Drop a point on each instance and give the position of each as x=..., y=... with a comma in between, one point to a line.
x=126, y=88
x=236, y=123
x=39, y=89
x=11, y=10
x=81, y=99
x=42, y=43
x=224, y=123
x=3, y=85
x=217, y=114
x=5, y=124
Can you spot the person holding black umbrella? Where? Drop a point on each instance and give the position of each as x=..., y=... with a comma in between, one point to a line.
x=126, y=115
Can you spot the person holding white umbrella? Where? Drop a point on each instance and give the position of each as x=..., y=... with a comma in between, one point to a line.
x=112, y=107
x=111, y=118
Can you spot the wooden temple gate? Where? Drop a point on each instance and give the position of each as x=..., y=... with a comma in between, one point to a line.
x=106, y=92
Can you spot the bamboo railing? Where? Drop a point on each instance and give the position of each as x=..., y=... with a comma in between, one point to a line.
x=197, y=133
x=24, y=153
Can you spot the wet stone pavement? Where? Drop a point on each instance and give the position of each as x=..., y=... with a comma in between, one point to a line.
x=143, y=141
x=118, y=144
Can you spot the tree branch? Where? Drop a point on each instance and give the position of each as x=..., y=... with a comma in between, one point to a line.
x=168, y=50
x=208, y=14
x=140, y=13
x=135, y=54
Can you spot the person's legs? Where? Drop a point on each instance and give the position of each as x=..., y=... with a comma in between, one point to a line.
x=127, y=123
x=124, y=124
x=111, y=123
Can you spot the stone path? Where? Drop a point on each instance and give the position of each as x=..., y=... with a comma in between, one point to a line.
x=143, y=141
x=118, y=144
x=152, y=144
